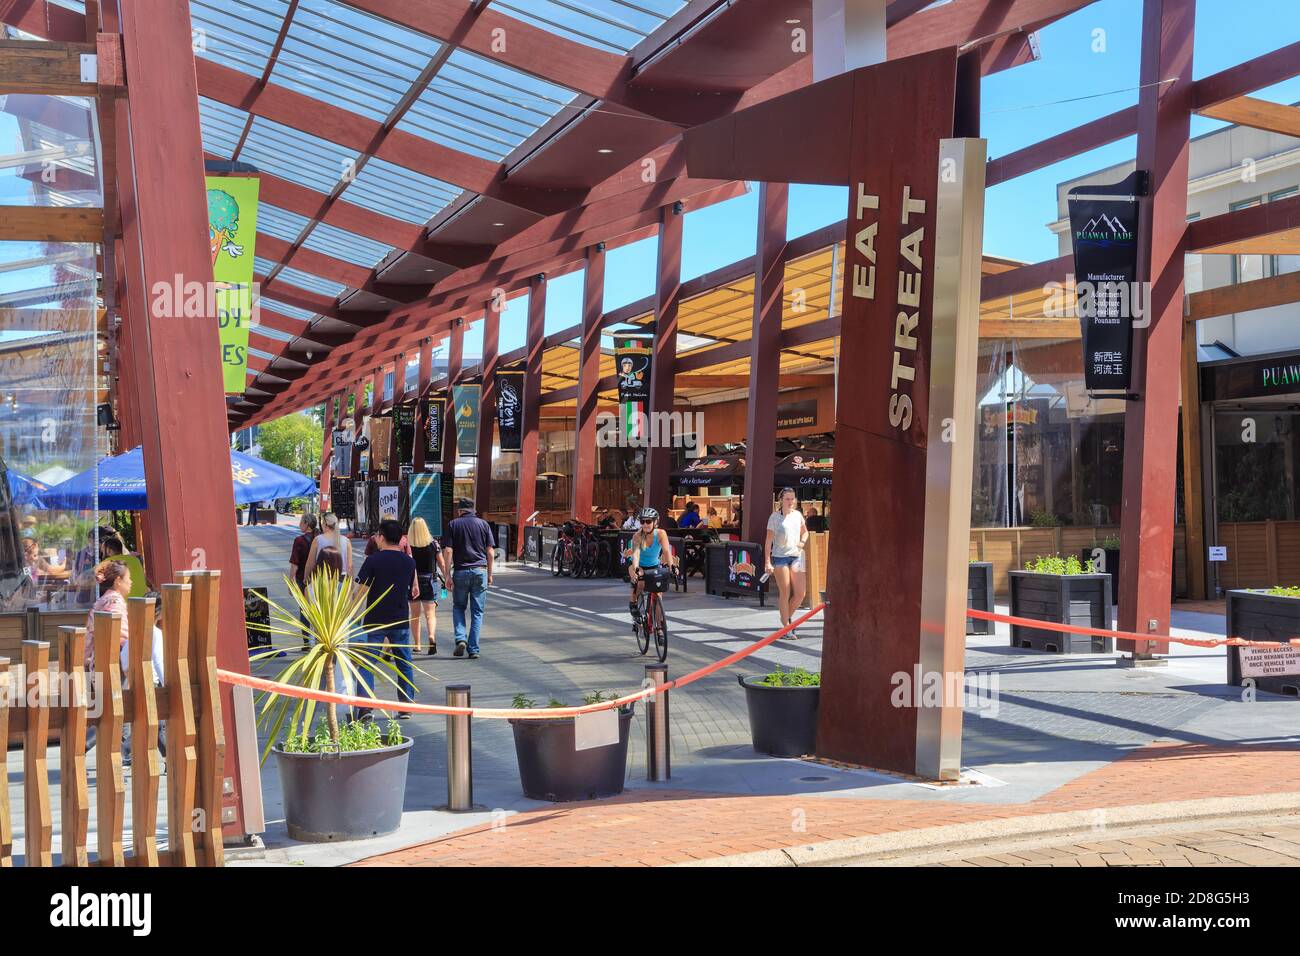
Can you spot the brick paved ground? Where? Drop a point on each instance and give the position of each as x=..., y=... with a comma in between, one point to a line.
x=672, y=827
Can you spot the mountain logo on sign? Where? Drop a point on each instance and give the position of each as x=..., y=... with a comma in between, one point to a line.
x=1105, y=227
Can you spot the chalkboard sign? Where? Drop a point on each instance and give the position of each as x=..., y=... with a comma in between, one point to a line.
x=342, y=497
x=257, y=612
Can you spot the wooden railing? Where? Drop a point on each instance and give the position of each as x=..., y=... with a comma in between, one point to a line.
x=189, y=703
x=1261, y=554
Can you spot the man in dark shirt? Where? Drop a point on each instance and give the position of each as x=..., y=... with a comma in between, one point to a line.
x=467, y=552
x=390, y=575
x=298, y=563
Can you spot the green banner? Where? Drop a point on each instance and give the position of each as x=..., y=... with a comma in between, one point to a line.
x=465, y=399
x=232, y=227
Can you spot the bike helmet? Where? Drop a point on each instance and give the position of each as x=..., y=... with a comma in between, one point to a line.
x=648, y=514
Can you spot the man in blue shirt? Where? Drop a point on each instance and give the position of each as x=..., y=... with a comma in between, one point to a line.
x=390, y=575
x=691, y=517
x=467, y=551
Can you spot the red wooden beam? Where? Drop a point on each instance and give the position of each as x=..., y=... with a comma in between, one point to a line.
x=663, y=372
x=535, y=336
x=487, y=414
x=584, y=453
x=1241, y=224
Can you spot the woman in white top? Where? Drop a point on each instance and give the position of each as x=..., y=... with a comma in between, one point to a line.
x=330, y=538
x=787, y=535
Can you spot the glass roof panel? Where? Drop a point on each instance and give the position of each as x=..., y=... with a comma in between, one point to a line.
x=280, y=223
x=273, y=333
x=399, y=192
x=262, y=266
x=239, y=34
x=296, y=156
x=350, y=59
x=262, y=355
x=615, y=25
x=482, y=107
x=345, y=245
x=285, y=309
x=221, y=126
x=312, y=283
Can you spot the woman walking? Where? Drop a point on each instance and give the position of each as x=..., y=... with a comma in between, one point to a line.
x=424, y=551
x=787, y=535
x=329, y=548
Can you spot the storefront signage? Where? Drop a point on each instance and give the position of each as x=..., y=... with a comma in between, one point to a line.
x=232, y=227
x=796, y=414
x=1253, y=378
x=465, y=401
x=1103, y=229
x=510, y=391
x=434, y=423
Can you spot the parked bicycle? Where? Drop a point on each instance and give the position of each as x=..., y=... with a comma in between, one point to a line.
x=580, y=552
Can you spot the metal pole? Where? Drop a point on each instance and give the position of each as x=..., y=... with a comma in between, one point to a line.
x=658, y=757
x=32, y=623
x=460, y=765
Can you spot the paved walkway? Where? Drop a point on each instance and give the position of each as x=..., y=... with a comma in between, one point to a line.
x=1066, y=734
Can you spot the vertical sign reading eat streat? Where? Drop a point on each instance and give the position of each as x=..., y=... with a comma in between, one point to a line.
x=901, y=111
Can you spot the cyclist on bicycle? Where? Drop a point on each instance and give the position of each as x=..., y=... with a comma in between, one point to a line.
x=650, y=549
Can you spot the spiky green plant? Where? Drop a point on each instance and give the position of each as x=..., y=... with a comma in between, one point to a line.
x=333, y=613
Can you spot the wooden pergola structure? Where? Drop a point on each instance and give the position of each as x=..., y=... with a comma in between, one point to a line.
x=485, y=150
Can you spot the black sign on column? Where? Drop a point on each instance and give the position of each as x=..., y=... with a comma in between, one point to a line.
x=510, y=392
x=434, y=425
x=1104, y=230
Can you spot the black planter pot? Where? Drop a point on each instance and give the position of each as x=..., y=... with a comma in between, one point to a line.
x=1112, y=566
x=1082, y=599
x=1256, y=616
x=347, y=796
x=551, y=769
x=782, y=720
x=979, y=595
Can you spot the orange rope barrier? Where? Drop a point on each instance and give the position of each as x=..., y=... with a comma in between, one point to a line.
x=1126, y=635
x=508, y=713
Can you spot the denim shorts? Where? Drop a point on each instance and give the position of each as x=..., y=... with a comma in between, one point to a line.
x=784, y=562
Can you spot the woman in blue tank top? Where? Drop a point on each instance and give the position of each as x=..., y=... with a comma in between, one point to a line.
x=650, y=549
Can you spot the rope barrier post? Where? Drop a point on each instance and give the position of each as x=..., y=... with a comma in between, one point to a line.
x=460, y=758
x=658, y=758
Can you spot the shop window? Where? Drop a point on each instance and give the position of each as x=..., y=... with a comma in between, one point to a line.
x=1257, y=456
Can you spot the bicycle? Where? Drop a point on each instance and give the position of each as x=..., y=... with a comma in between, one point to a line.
x=565, y=558
x=650, y=619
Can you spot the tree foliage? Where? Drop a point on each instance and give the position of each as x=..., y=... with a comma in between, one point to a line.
x=293, y=442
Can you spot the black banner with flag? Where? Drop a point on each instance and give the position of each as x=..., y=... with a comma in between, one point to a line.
x=510, y=405
x=434, y=427
x=404, y=433
x=1103, y=228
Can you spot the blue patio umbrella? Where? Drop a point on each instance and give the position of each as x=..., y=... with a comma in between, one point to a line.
x=121, y=484
x=24, y=490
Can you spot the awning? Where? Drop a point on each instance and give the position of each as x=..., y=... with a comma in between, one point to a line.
x=720, y=470
x=22, y=489
x=122, y=488
x=808, y=468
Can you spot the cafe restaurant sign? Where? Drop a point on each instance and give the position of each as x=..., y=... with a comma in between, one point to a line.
x=1253, y=378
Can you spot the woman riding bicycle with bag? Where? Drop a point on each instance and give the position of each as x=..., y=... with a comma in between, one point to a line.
x=650, y=549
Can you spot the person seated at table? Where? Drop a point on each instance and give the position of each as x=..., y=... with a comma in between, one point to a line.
x=114, y=550
x=715, y=520
x=690, y=517
x=630, y=523
x=814, y=520
x=610, y=519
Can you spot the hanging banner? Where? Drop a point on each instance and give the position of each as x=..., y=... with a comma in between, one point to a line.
x=632, y=357
x=381, y=433
x=425, y=495
x=510, y=404
x=232, y=226
x=465, y=399
x=404, y=434
x=341, y=453
x=435, y=422
x=1103, y=227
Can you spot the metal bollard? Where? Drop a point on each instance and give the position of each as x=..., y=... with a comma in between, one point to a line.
x=460, y=757
x=32, y=623
x=658, y=758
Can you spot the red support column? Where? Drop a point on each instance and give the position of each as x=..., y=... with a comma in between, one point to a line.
x=765, y=360
x=663, y=371
x=358, y=414
x=399, y=393
x=455, y=357
x=487, y=410
x=329, y=421
x=1151, y=421
x=421, y=409
x=176, y=359
x=585, y=451
x=536, y=340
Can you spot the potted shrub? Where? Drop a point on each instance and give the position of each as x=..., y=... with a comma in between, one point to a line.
x=1271, y=614
x=550, y=765
x=342, y=780
x=1109, y=563
x=1066, y=591
x=979, y=595
x=783, y=711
